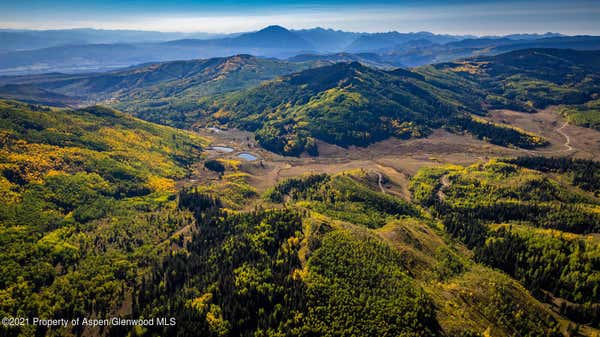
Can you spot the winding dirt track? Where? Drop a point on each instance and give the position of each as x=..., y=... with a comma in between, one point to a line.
x=445, y=184
x=567, y=138
x=566, y=144
x=379, y=182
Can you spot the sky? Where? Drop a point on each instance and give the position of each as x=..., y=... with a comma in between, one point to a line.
x=487, y=17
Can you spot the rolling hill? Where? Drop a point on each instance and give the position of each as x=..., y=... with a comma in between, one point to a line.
x=161, y=80
x=354, y=260
x=529, y=79
x=32, y=94
x=529, y=216
x=351, y=104
x=270, y=183
x=153, y=84
x=348, y=104
x=87, y=222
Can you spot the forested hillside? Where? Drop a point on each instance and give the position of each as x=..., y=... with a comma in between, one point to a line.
x=349, y=104
x=103, y=214
x=352, y=104
x=540, y=230
x=193, y=168
x=150, y=89
x=163, y=82
x=82, y=212
x=528, y=79
x=344, y=104
x=339, y=259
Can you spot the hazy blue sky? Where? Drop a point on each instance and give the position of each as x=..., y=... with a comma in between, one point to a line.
x=453, y=16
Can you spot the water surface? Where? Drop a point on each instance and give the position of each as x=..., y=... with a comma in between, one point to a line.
x=225, y=149
x=247, y=156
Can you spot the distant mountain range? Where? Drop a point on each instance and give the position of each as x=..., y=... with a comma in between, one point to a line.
x=14, y=39
x=86, y=50
x=378, y=41
x=370, y=59
x=327, y=39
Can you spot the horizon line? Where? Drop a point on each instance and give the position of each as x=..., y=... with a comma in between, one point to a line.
x=289, y=29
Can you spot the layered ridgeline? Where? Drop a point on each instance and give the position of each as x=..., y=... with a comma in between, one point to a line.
x=418, y=52
x=347, y=103
x=272, y=41
x=96, y=50
x=193, y=79
x=527, y=80
x=155, y=84
x=32, y=94
x=351, y=104
x=86, y=203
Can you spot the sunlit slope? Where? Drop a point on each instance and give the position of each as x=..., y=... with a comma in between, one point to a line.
x=533, y=225
x=348, y=104
x=340, y=258
x=85, y=204
x=528, y=79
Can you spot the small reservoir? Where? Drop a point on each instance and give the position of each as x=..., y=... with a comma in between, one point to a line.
x=224, y=149
x=214, y=129
x=247, y=156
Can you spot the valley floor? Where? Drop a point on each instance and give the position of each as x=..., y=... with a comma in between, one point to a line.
x=399, y=159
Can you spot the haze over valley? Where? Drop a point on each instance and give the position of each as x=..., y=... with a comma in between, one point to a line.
x=88, y=50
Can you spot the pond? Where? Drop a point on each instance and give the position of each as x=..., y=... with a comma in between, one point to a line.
x=247, y=156
x=224, y=149
x=214, y=129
